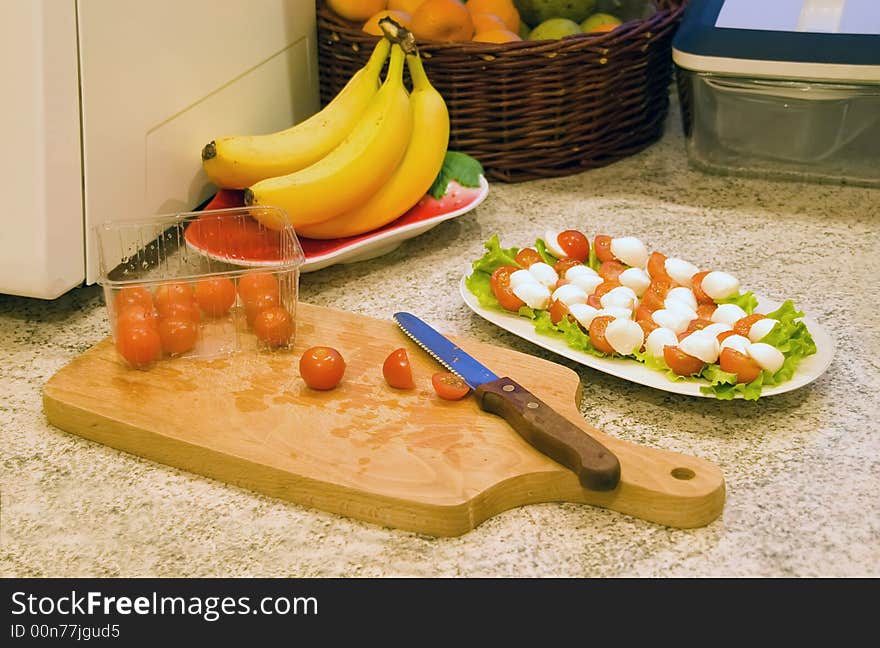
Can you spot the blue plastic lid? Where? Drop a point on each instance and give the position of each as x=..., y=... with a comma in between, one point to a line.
x=820, y=40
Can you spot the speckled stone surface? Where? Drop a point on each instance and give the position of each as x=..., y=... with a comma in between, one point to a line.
x=802, y=468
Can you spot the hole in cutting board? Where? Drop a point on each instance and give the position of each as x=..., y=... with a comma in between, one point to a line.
x=683, y=473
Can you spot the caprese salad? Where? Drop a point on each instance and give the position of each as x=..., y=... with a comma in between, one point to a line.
x=611, y=297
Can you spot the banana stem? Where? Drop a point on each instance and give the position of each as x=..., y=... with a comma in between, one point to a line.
x=395, y=64
x=417, y=72
x=399, y=34
x=380, y=53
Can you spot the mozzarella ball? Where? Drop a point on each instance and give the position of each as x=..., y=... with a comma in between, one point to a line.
x=533, y=294
x=768, y=357
x=584, y=277
x=617, y=312
x=636, y=280
x=624, y=336
x=520, y=277
x=630, y=251
x=659, y=338
x=545, y=274
x=737, y=343
x=551, y=239
x=716, y=328
x=702, y=346
x=761, y=328
x=621, y=297
x=728, y=314
x=683, y=295
x=681, y=271
x=720, y=285
x=583, y=313
x=570, y=294
x=671, y=319
x=681, y=309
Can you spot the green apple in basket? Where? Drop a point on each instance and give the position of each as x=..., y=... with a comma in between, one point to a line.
x=534, y=12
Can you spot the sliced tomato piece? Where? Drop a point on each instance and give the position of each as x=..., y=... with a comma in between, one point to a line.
x=643, y=312
x=743, y=324
x=610, y=270
x=500, y=283
x=449, y=386
x=528, y=256
x=397, y=370
x=657, y=266
x=602, y=246
x=697, y=287
x=647, y=325
x=680, y=362
x=706, y=310
x=724, y=335
x=574, y=244
x=558, y=310
x=745, y=368
x=597, y=333
x=563, y=265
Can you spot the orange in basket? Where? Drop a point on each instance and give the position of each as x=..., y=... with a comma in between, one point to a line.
x=409, y=6
x=357, y=10
x=442, y=20
x=484, y=22
x=504, y=9
x=400, y=17
x=496, y=36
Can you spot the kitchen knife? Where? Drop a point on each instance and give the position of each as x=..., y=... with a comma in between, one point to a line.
x=535, y=421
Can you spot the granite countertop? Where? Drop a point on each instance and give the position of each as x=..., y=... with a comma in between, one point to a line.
x=802, y=469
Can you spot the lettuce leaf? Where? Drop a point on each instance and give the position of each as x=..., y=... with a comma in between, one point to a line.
x=541, y=247
x=480, y=285
x=747, y=301
x=495, y=257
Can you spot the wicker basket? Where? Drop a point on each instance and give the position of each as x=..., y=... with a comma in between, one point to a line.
x=535, y=109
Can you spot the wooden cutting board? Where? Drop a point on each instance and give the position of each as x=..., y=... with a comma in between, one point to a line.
x=403, y=459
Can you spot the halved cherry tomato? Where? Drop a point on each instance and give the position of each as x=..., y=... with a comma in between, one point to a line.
x=643, y=312
x=174, y=293
x=449, y=386
x=259, y=303
x=610, y=270
x=743, y=324
x=274, y=326
x=178, y=335
x=215, y=295
x=574, y=244
x=647, y=325
x=606, y=287
x=139, y=345
x=655, y=295
x=597, y=333
x=134, y=296
x=258, y=283
x=724, y=335
x=657, y=266
x=697, y=324
x=558, y=310
x=500, y=282
x=563, y=265
x=528, y=256
x=181, y=310
x=321, y=367
x=602, y=245
x=397, y=370
x=697, y=287
x=706, y=310
x=135, y=315
x=745, y=368
x=680, y=362
x=594, y=301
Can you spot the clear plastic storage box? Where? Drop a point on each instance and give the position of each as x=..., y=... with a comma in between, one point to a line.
x=199, y=284
x=784, y=90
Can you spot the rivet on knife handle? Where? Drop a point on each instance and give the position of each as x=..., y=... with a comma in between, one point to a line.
x=551, y=433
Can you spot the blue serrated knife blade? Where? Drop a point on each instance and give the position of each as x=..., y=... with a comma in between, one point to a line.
x=535, y=421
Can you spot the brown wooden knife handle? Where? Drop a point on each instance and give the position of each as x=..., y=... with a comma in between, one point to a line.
x=551, y=433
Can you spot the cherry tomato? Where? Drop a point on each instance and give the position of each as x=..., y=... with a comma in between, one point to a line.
x=597, y=333
x=743, y=324
x=397, y=370
x=655, y=295
x=178, y=335
x=449, y=386
x=724, y=335
x=574, y=244
x=610, y=270
x=643, y=312
x=139, y=345
x=745, y=368
x=697, y=324
x=500, y=283
x=258, y=283
x=135, y=315
x=706, y=310
x=134, y=296
x=606, y=287
x=259, y=303
x=274, y=326
x=602, y=245
x=176, y=293
x=181, y=310
x=647, y=325
x=594, y=301
x=680, y=362
x=528, y=256
x=697, y=287
x=321, y=367
x=563, y=265
x=657, y=266
x=215, y=295
x=558, y=310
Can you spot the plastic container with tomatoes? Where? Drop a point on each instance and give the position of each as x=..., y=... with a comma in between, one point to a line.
x=184, y=285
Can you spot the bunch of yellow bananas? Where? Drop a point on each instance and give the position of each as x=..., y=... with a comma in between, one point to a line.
x=359, y=163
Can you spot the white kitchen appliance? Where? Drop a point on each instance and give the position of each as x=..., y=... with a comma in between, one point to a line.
x=107, y=106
